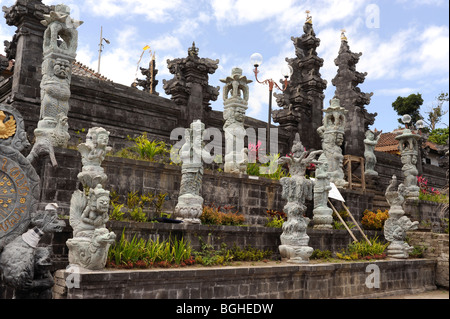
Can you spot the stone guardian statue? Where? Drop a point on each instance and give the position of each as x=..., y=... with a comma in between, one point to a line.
x=296, y=189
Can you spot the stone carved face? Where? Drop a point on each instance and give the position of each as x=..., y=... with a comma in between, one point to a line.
x=339, y=139
x=103, y=204
x=102, y=139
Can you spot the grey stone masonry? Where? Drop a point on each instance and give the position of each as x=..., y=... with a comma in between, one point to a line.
x=352, y=99
x=280, y=281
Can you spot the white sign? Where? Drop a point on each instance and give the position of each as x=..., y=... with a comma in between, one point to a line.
x=334, y=192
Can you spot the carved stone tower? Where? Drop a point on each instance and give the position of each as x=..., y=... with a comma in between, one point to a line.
x=352, y=99
x=302, y=102
x=189, y=87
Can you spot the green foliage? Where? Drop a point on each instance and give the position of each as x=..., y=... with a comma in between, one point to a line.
x=208, y=256
x=222, y=215
x=339, y=226
x=149, y=149
x=274, y=171
x=147, y=253
x=409, y=105
x=362, y=250
x=321, y=254
x=439, y=136
x=275, y=222
x=137, y=206
x=418, y=251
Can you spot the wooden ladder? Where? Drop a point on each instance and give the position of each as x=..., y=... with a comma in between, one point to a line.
x=355, y=181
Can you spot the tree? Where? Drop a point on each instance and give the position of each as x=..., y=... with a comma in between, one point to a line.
x=437, y=112
x=439, y=136
x=409, y=105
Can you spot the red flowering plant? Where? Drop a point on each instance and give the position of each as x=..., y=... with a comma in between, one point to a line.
x=430, y=194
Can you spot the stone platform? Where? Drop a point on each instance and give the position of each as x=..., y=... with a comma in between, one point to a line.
x=271, y=281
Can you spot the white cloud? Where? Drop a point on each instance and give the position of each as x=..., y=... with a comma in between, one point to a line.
x=155, y=10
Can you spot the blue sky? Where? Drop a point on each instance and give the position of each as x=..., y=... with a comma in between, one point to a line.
x=405, y=43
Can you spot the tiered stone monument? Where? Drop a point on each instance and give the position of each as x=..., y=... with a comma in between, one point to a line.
x=91, y=240
x=150, y=82
x=352, y=99
x=189, y=87
x=332, y=134
x=190, y=202
x=60, y=46
x=397, y=224
x=370, y=143
x=302, y=101
x=235, y=105
x=296, y=189
x=409, y=151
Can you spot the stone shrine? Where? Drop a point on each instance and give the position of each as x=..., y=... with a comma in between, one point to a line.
x=352, y=99
x=332, y=134
x=235, y=96
x=302, y=101
x=189, y=87
x=296, y=189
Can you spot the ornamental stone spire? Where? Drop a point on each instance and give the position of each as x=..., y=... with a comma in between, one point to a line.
x=352, y=98
x=189, y=87
x=302, y=101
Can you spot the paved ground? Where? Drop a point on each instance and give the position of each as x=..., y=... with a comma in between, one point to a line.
x=436, y=294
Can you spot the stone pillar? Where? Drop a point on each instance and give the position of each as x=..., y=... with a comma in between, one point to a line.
x=189, y=87
x=352, y=99
x=302, y=101
x=323, y=215
x=332, y=134
x=409, y=151
x=27, y=53
x=235, y=105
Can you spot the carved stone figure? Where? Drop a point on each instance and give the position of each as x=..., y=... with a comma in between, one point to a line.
x=370, y=143
x=332, y=134
x=190, y=202
x=296, y=189
x=409, y=151
x=397, y=224
x=60, y=45
x=234, y=115
x=89, y=208
x=93, y=152
x=323, y=215
x=24, y=265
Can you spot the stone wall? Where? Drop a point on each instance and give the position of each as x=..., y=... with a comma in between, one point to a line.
x=437, y=249
x=283, y=281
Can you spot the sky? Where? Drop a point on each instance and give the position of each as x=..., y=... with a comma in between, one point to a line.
x=405, y=43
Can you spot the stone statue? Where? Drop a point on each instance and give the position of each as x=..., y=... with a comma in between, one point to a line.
x=296, y=189
x=409, y=151
x=190, y=202
x=397, y=224
x=25, y=265
x=89, y=208
x=332, y=134
x=370, y=143
x=60, y=45
x=234, y=116
x=93, y=152
x=323, y=215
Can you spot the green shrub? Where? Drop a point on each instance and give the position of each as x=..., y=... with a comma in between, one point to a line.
x=362, y=250
x=141, y=253
x=319, y=254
